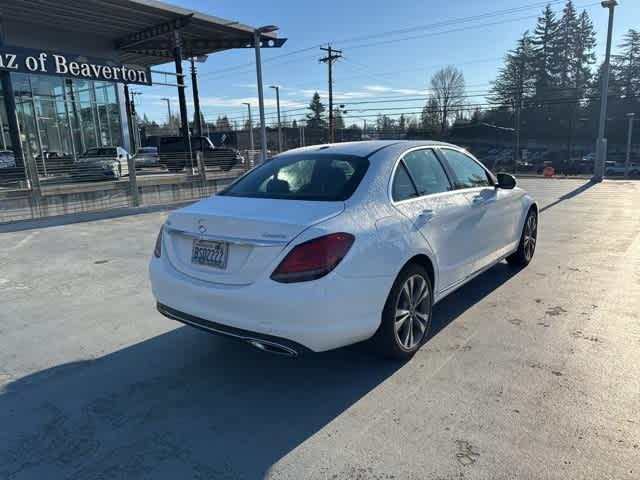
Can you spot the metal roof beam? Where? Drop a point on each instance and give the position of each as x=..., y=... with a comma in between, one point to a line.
x=195, y=45
x=153, y=32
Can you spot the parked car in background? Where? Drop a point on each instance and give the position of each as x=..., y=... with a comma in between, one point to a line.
x=613, y=169
x=174, y=157
x=328, y=258
x=101, y=162
x=147, y=157
x=9, y=172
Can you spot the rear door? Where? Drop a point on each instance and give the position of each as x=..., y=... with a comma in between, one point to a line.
x=423, y=192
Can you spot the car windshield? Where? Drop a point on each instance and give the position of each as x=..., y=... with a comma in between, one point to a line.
x=100, y=152
x=303, y=177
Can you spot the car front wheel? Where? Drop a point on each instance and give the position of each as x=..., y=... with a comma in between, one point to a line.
x=407, y=314
x=528, y=241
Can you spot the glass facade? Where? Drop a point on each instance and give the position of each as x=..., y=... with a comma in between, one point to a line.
x=62, y=117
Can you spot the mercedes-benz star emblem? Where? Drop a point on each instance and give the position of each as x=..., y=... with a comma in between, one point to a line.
x=202, y=228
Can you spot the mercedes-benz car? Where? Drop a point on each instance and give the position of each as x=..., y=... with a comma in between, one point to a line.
x=330, y=245
x=100, y=163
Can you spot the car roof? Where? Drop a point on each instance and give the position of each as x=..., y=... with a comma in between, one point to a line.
x=364, y=148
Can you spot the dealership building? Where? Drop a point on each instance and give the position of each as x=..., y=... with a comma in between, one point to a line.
x=67, y=68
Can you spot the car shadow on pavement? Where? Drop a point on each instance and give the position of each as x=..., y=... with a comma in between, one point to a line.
x=185, y=404
x=573, y=193
x=456, y=303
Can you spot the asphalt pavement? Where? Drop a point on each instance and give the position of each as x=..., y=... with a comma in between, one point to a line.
x=530, y=374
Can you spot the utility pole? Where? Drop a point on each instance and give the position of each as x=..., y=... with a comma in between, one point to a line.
x=629, y=134
x=332, y=55
x=601, y=145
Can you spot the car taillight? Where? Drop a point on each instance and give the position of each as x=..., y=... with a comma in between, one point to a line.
x=313, y=259
x=157, y=251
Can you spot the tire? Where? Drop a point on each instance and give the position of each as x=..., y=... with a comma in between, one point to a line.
x=528, y=240
x=395, y=337
x=225, y=167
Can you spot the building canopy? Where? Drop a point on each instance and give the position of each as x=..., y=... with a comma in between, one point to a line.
x=141, y=30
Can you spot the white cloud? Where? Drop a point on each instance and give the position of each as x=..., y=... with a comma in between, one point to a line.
x=377, y=88
x=244, y=85
x=401, y=91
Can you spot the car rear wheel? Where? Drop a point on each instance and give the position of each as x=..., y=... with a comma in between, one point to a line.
x=528, y=241
x=407, y=314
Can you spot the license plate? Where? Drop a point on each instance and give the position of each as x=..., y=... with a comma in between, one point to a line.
x=210, y=254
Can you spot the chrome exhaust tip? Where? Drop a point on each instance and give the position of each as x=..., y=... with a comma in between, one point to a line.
x=274, y=348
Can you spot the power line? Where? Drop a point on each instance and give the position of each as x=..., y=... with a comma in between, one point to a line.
x=453, y=21
x=248, y=66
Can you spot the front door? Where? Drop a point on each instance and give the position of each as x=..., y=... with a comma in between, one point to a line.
x=489, y=219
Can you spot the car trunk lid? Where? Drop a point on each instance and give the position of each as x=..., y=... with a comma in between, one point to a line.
x=251, y=233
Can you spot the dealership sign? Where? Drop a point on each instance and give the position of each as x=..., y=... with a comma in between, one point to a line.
x=29, y=60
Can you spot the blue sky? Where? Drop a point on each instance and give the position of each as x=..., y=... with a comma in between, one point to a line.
x=378, y=65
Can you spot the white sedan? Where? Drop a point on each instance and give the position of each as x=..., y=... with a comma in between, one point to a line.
x=330, y=245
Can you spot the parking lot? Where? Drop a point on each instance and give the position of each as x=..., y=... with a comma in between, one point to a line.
x=528, y=374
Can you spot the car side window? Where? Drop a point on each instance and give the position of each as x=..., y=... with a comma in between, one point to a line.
x=467, y=172
x=402, y=188
x=427, y=172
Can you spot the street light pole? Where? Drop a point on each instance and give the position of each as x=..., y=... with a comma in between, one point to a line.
x=277, y=88
x=253, y=147
x=627, y=160
x=257, y=33
x=601, y=145
x=168, y=109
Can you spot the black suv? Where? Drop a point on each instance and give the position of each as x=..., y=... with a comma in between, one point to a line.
x=173, y=156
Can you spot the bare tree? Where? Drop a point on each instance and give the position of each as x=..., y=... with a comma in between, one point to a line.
x=447, y=85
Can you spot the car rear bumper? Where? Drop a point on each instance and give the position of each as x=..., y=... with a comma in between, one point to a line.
x=265, y=342
x=320, y=315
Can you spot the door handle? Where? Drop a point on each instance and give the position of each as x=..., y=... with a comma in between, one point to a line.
x=426, y=214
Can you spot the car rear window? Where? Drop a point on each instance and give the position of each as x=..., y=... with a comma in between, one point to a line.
x=319, y=177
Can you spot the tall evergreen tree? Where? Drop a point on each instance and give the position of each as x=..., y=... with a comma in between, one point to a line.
x=516, y=79
x=626, y=64
x=584, y=56
x=315, y=119
x=566, y=39
x=544, y=43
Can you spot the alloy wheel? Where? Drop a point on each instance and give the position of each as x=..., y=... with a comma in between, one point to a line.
x=412, y=312
x=530, y=236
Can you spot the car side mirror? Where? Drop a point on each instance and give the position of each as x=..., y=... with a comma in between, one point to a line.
x=506, y=181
